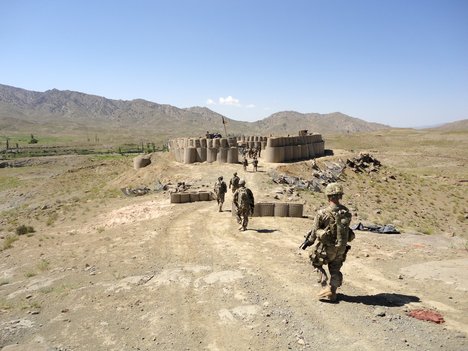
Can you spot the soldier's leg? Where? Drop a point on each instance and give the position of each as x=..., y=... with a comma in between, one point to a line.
x=221, y=201
x=245, y=221
x=336, y=277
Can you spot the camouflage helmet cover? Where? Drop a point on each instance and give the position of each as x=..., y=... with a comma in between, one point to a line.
x=334, y=189
x=242, y=182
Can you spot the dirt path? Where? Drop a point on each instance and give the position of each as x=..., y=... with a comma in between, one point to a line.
x=144, y=274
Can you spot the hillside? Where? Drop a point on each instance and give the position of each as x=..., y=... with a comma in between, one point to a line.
x=453, y=126
x=281, y=123
x=73, y=112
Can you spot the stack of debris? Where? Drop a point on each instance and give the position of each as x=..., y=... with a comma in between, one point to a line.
x=135, y=191
x=364, y=162
x=331, y=173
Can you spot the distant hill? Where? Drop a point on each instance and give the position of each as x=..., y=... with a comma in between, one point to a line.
x=453, y=126
x=289, y=121
x=57, y=111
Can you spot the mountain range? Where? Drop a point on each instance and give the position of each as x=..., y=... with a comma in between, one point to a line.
x=70, y=112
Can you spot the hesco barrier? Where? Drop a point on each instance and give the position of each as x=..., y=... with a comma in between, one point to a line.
x=293, y=148
x=267, y=209
x=225, y=150
x=190, y=155
x=211, y=154
x=204, y=196
x=175, y=198
x=179, y=198
x=296, y=210
x=281, y=210
x=233, y=155
x=222, y=155
x=184, y=197
x=201, y=154
x=276, y=209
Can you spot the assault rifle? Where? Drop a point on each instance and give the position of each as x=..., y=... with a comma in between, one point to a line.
x=307, y=242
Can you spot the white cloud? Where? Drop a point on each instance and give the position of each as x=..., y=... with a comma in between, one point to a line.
x=229, y=101
x=210, y=102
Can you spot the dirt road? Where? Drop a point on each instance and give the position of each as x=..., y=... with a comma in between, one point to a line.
x=143, y=274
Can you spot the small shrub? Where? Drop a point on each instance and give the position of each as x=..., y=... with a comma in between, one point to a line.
x=5, y=305
x=23, y=229
x=427, y=231
x=9, y=240
x=29, y=274
x=52, y=218
x=43, y=265
x=46, y=290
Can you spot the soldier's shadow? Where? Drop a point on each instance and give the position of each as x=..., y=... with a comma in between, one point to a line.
x=382, y=299
x=265, y=231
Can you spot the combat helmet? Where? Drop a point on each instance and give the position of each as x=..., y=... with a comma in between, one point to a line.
x=235, y=174
x=242, y=182
x=334, y=189
x=220, y=178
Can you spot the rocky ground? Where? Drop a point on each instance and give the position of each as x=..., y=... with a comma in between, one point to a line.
x=103, y=271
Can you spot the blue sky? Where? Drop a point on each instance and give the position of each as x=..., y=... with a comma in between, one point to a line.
x=402, y=63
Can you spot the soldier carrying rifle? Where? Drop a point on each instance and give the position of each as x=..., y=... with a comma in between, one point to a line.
x=329, y=239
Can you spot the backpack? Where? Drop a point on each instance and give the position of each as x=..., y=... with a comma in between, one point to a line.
x=245, y=198
x=223, y=187
x=220, y=187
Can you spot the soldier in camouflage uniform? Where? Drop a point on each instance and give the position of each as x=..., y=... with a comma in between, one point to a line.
x=245, y=163
x=329, y=237
x=234, y=182
x=244, y=204
x=220, y=190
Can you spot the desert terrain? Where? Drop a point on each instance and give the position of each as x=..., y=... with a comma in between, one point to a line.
x=103, y=271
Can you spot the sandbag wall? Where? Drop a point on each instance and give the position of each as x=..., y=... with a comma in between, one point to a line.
x=179, y=198
x=294, y=148
x=191, y=150
x=276, y=209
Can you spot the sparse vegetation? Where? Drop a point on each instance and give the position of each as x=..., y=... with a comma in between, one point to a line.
x=8, y=241
x=43, y=265
x=5, y=305
x=52, y=218
x=23, y=229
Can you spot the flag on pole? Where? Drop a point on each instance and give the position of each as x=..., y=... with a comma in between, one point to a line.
x=224, y=122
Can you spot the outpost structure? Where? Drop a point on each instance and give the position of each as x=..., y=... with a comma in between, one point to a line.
x=226, y=150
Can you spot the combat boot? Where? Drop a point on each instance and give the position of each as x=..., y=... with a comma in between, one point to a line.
x=328, y=294
x=325, y=292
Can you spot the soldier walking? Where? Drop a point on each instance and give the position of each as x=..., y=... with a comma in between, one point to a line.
x=234, y=182
x=220, y=190
x=245, y=163
x=255, y=164
x=244, y=204
x=329, y=239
